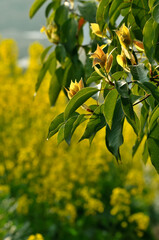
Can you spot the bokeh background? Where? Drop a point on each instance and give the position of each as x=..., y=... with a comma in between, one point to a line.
x=59, y=192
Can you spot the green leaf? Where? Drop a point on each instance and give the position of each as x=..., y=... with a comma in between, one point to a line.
x=130, y=114
x=153, y=90
x=68, y=128
x=154, y=152
x=139, y=72
x=136, y=32
x=145, y=153
x=152, y=3
x=140, y=11
x=154, y=117
x=49, y=8
x=44, y=53
x=136, y=146
x=35, y=7
x=150, y=36
x=150, y=88
x=118, y=75
x=80, y=119
x=95, y=123
x=61, y=15
x=88, y=11
x=60, y=136
x=102, y=15
x=114, y=137
x=68, y=34
x=60, y=53
x=94, y=78
x=78, y=99
x=43, y=70
x=154, y=131
x=122, y=88
x=115, y=10
x=155, y=13
x=109, y=106
x=55, y=85
x=55, y=125
x=114, y=7
x=52, y=6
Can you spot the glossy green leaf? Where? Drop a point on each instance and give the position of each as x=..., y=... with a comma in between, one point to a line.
x=145, y=153
x=130, y=114
x=44, y=53
x=154, y=131
x=115, y=10
x=35, y=7
x=52, y=6
x=136, y=32
x=140, y=11
x=44, y=69
x=102, y=15
x=94, y=78
x=55, y=125
x=109, y=106
x=152, y=3
x=48, y=9
x=154, y=152
x=154, y=117
x=95, y=123
x=80, y=119
x=88, y=11
x=150, y=88
x=61, y=15
x=68, y=128
x=153, y=90
x=118, y=75
x=122, y=88
x=155, y=13
x=139, y=72
x=150, y=37
x=114, y=137
x=78, y=99
x=68, y=34
x=55, y=85
x=60, y=53
x=60, y=136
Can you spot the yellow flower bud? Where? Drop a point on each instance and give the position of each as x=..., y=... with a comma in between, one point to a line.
x=96, y=30
x=74, y=88
x=124, y=36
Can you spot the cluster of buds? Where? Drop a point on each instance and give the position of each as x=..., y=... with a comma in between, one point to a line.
x=125, y=41
x=102, y=58
x=73, y=89
x=51, y=33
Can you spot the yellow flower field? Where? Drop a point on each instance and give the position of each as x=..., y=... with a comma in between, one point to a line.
x=51, y=191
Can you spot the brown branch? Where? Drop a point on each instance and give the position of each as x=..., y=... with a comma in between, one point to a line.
x=148, y=95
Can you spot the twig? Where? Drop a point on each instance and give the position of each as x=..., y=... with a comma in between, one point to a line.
x=148, y=95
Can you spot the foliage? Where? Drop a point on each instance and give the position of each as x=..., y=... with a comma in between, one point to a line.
x=43, y=190
x=125, y=35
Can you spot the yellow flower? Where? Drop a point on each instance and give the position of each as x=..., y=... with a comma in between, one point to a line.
x=124, y=36
x=121, y=60
x=51, y=33
x=74, y=88
x=141, y=220
x=99, y=57
x=139, y=45
x=38, y=236
x=96, y=30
